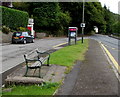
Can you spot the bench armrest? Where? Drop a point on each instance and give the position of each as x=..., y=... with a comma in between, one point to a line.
x=42, y=53
x=32, y=59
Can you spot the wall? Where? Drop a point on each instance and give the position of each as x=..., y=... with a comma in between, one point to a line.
x=6, y=38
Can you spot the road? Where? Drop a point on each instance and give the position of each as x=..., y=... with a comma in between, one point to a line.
x=12, y=54
x=110, y=43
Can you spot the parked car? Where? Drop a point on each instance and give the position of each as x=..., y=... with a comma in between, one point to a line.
x=22, y=37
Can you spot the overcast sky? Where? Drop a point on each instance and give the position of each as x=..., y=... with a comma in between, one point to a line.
x=111, y=4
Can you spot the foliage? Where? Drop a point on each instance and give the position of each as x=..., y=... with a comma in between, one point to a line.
x=93, y=14
x=5, y=29
x=108, y=16
x=71, y=54
x=22, y=29
x=48, y=16
x=14, y=18
x=116, y=27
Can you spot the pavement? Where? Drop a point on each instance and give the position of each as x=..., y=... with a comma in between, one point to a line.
x=93, y=77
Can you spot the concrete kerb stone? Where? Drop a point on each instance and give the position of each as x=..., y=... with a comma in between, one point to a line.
x=17, y=80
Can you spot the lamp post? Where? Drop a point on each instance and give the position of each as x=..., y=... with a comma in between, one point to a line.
x=83, y=21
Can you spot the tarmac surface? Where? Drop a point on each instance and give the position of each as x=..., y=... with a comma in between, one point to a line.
x=92, y=77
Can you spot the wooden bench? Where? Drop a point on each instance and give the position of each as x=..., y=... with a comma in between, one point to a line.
x=35, y=59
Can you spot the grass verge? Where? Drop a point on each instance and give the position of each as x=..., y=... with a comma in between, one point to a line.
x=45, y=89
x=68, y=55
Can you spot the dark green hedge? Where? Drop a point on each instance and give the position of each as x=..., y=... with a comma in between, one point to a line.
x=14, y=18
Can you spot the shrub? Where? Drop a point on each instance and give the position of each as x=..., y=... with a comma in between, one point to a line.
x=5, y=30
x=22, y=29
x=14, y=18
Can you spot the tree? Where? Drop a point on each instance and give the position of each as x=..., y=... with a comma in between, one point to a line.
x=108, y=16
x=115, y=28
x=93, y=14
x=48, y=16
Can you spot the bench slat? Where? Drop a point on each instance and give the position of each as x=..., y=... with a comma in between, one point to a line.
x=37, y=63
x=43, y=59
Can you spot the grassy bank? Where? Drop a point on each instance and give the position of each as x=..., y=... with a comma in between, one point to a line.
x=46, y=89
x=69, y=54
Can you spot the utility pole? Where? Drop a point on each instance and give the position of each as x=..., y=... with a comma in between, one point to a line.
x=83, y=20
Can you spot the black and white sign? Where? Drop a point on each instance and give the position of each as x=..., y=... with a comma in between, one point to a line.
x=82, y=25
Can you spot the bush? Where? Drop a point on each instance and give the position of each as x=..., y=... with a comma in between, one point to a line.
x=14, y=18
x=22, y=29
x=5, y=30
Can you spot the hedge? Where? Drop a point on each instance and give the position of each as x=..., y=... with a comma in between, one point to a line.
x=13, y=18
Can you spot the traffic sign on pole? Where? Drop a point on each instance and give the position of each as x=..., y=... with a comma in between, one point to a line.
x=82, y=25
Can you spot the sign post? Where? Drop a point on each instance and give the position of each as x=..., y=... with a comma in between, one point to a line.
x=72, y=34
x=83, y=24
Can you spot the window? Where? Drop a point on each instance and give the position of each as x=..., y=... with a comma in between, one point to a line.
x=25, y=34
x=17, y=34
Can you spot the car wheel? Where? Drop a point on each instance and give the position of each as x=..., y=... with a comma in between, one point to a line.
x=13, y=42
x=33, y=41
x=24, y=41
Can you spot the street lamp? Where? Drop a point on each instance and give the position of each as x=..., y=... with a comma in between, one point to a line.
x=83, y=21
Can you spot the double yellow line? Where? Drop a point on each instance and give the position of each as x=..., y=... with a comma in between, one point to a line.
x=112, y=58
x=60, y=44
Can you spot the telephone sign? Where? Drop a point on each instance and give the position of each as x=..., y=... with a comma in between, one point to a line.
x=71, y=29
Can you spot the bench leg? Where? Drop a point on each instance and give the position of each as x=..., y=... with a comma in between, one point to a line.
x=48, y=61
x=26, y=71
x=34, y=71
x=39, y=73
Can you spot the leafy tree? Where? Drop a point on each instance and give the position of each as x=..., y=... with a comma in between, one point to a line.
x=108, y=16
x=116, y=27
x=48, y=16
x=56, y=17
x=93, y=14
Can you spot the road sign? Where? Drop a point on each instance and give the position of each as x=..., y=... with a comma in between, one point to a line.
x=82, y=25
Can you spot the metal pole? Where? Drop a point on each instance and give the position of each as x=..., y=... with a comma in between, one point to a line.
x=83, y=21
